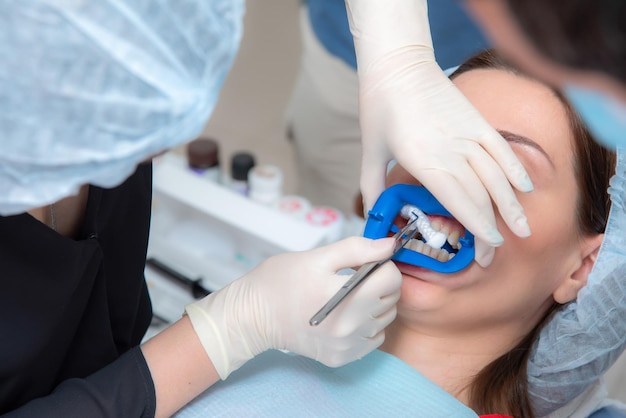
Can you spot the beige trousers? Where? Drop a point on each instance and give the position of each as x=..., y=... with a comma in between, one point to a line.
x=322, y=119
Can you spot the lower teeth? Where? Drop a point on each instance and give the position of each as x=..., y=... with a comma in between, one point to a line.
x=420, y=247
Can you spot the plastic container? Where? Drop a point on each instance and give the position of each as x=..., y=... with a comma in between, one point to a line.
x=331, y=219
x=241, y=164
x=294, y=206
x=203, y=158
x=266, y=184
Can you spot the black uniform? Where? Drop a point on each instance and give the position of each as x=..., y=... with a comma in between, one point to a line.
x=68, y=308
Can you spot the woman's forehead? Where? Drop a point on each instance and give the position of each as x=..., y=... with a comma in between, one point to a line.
x=521, y=106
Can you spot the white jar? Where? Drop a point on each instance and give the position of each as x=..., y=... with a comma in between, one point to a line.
x=294, y=206
x=328, y=218
x=266, y=184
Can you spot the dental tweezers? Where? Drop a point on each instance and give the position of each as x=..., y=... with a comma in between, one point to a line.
x=401, y=238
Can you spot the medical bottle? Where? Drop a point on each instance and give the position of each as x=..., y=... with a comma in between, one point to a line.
x=203, y=158
x=266, y=184
x=241, y=164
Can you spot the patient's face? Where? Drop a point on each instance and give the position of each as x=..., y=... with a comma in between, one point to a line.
x=518, y=286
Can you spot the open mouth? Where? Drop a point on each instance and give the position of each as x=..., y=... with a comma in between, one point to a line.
x=443, y=244
x=449, y=229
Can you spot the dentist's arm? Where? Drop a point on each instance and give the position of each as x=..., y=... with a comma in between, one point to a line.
x=270, y=308
x=410, y=111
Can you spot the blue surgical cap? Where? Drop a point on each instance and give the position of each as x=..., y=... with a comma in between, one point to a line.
x=585, y=338
x=88, y=89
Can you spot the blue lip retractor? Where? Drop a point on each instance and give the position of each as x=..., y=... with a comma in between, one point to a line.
x=382, y=215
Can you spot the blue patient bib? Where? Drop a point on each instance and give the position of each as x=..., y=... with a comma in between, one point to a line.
x=275, y=384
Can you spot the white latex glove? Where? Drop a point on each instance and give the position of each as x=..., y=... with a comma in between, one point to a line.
x=410, y=111
x=270, y=307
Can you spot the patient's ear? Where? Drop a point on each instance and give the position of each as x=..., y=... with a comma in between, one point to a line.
x=569, y=288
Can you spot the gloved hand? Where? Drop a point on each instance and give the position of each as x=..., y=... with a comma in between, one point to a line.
x=411, y=111
x=270, y=307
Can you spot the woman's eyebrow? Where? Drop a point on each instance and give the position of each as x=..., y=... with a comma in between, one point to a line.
x=519, y=139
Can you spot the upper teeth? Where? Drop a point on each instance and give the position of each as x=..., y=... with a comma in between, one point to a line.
x=432, y=237
x=433, y=233
x=452, y=236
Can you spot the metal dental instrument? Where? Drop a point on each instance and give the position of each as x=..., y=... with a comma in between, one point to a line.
x=392, y=202
x=401, y=238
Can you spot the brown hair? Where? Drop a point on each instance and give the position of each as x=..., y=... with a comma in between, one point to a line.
x=583, y=34
x=502, y=386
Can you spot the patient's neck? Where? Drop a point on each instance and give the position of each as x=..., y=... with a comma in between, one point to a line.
x=450, y=360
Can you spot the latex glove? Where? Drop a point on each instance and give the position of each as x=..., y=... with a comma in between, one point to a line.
x=410, y=111
x=270, y=307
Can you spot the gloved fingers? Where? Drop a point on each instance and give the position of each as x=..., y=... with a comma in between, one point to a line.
x=373, y=174
x=345, y=331
x=483, y=252
x=354, y=251
x=365, y=322
x=366, y=345
x=378, y=339
x=503, y=155
x=384, y=282
x=355, y=351
x=465, y=197
x=374, y=331
x=392, y=298
x=452, y=181
x=380, y=306
x=500, y=190
x=383, y=318
x=377, y=295
x=365, y=340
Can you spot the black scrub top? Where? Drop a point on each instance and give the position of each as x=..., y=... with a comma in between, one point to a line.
x=68, y=308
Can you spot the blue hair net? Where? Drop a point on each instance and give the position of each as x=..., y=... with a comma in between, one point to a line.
x=586, y=337
x=88, y=89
